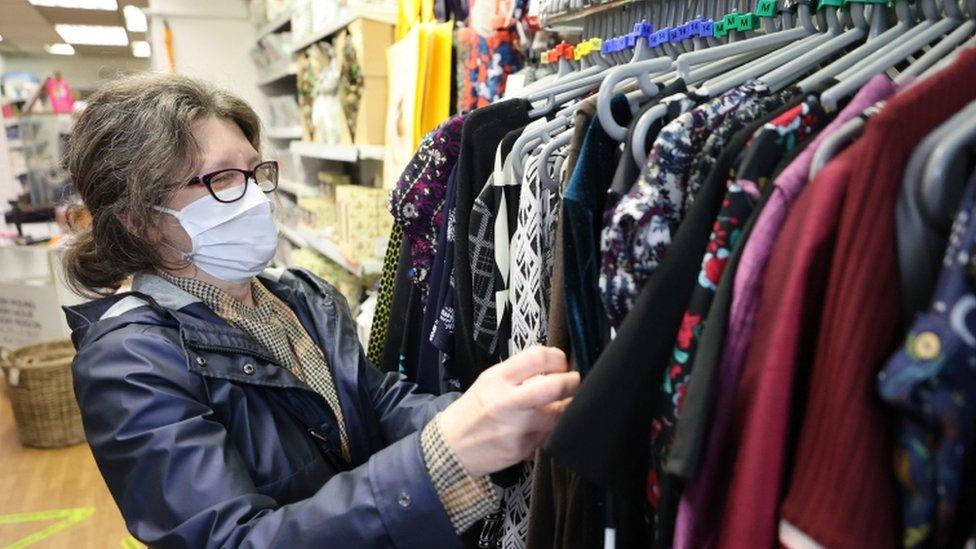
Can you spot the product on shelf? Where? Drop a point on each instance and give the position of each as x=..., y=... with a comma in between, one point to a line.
x=319, y=73
x=364, y=223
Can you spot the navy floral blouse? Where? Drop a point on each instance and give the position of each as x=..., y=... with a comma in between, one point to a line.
x=931, y=382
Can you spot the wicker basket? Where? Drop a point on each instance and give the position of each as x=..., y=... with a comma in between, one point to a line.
x=39, y=384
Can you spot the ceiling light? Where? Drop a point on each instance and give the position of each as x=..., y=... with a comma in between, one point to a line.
x=60, y=49
x=78, y=4
x=93, y=35
x=140, y=48
x=135, y=19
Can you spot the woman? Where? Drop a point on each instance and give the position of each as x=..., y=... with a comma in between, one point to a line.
x=228, y=409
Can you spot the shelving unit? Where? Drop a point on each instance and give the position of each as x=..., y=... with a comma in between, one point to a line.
x=304, y=238
x=338, y=153
x=284, y=20
x=304, y=162
x=293, y=132
x=289, y=71
x=297, y=189
x=342, y=20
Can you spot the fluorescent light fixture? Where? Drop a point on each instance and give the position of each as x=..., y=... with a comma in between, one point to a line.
x=140, y=48
x=135, y=19
x=93, y=35
x=107, y=5
x=60, y=49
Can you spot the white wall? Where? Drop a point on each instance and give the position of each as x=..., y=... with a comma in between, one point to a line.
x=211, y=41
x=81, y=72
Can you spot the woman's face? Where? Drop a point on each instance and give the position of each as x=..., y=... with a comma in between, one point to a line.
x=222, y=146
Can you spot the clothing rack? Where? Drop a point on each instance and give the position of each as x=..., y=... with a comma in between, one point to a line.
x=749, y=227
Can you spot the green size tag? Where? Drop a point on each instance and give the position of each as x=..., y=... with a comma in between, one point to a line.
x=830, y=3
x=766, y=8
x=746, y=21
x=719, y=30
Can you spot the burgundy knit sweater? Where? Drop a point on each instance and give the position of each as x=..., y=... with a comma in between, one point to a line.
x=842, y=492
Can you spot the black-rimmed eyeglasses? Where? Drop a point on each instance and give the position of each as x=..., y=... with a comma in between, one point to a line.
x=230, y=185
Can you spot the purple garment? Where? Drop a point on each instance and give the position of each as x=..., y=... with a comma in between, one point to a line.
x=742, y=315
x=417, y=201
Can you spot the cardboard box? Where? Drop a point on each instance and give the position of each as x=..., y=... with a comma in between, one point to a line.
x=371, y=38
x=371, y=119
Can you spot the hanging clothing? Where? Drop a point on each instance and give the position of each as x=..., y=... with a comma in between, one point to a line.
x=785, y=189
x=860, y=327
x=931, y=382
x=556, y=505
x=583, y=204
x=384, y=297
x=532, y=253
x=432, y=367
x=483, y=130
x=615, y=390
x=417, y=200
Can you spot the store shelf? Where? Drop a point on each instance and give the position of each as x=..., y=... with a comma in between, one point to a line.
x=338, y=153
x=277, y=74
x=292, y=132
x=274, y=26
x=576, y=15
x=342, y=20
x=291, y=235
x=297, y=189
x=305, y=238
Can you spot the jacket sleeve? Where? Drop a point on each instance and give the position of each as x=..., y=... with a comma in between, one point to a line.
x=179, y=482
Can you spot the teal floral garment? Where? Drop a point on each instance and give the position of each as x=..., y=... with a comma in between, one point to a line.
x=931, y=382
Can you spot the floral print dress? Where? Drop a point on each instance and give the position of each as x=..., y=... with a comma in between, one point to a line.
x=637, y=232
x=756, y=163
x=417, y=201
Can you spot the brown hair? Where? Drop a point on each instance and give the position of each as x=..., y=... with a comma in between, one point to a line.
x=129, y=150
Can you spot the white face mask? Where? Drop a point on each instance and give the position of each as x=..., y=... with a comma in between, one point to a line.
x=231, y=241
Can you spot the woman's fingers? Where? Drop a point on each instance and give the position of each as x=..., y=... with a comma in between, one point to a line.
x=533, y=362
x=543, y=390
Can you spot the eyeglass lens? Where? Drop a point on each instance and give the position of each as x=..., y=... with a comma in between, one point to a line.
x=230, y=185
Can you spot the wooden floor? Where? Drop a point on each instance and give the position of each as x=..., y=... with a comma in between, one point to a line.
x=53, y=498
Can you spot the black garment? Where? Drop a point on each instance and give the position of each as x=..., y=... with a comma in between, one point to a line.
x=615, y=393
x=483, y=129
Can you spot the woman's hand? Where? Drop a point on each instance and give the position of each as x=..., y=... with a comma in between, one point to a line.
x=509, y=410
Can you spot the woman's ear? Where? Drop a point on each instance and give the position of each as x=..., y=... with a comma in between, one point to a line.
x=151, y=232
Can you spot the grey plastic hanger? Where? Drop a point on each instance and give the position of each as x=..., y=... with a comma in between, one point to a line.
x=561, y=140
x=777, y=58
x=866, y=50
x=937, y=52
x=942, y=185
x=891, y=56
x=946, y=61
x=783, y=76
x=806, y=28
x=834, y=143
x=929, y=13
x=919, y=238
